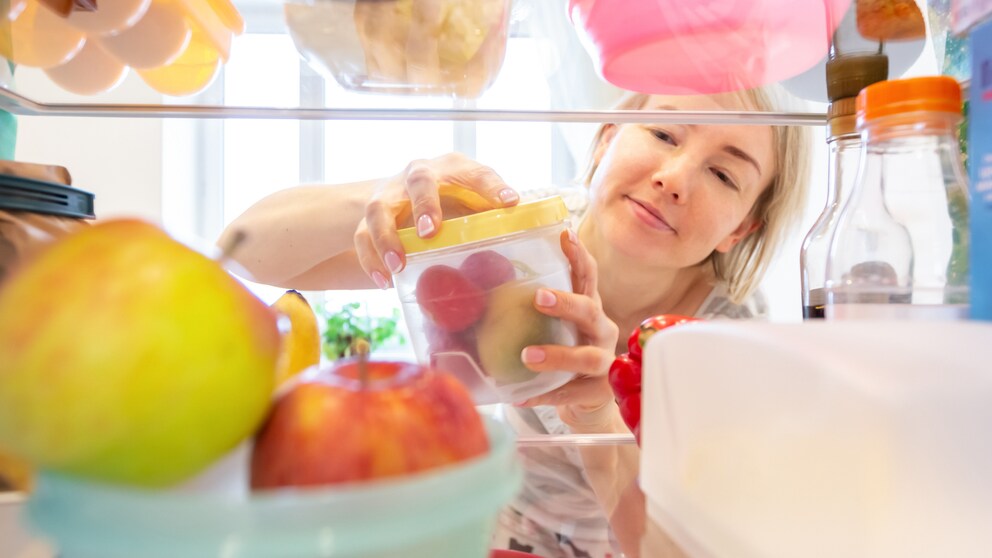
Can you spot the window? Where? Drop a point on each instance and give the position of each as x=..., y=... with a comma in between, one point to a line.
x=231, y=164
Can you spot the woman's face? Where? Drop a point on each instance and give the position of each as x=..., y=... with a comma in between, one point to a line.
x=674, y=193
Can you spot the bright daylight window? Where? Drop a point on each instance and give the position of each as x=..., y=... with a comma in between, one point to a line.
x=263, y=156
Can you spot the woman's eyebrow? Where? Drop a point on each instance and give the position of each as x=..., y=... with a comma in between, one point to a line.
x=742, y=155
x=729, y=149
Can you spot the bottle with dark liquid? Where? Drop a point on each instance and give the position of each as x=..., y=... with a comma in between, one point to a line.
x=846, y=76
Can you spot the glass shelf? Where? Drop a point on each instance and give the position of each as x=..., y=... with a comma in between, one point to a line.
x=20, y=104
x=549, y=440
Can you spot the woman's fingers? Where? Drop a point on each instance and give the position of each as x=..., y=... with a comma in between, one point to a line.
x=585, y=311
x=369, y=258
x=421, y=185
x=459, y=170
x=591, y=392
x=422, y=181
x=583, y=265
x=480, y=179
x=583, y=359
x=380, y=220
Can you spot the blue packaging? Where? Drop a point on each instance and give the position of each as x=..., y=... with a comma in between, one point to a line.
x=980, y=171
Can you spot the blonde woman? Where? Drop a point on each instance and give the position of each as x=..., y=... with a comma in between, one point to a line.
x=674, y=219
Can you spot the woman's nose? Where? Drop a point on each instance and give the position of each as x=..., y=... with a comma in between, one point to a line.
x=673, y=177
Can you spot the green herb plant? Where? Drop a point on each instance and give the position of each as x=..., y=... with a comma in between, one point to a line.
x=348, y=324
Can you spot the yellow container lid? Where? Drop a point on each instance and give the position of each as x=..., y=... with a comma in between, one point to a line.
x=487, y=224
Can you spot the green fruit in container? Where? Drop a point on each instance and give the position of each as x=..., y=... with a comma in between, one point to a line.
x=130, y=358
x=511, y=323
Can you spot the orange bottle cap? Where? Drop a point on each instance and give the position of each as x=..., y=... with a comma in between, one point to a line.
x=901, y=96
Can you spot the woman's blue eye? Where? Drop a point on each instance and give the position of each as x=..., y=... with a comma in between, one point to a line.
x=663, y=136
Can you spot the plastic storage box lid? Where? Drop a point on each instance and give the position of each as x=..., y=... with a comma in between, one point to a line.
x=487, y=224
x=27, y=194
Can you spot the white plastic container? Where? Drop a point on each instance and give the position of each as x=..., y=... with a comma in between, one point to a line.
x=820, y=439
x=468, y=293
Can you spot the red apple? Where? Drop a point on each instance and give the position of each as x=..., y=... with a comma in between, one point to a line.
x=488, y=269
x=334, y=427
x=449, y=299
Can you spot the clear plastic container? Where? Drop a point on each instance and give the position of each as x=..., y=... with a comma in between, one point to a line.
x=425, y=47
x=468, y=297
x=900, y=248
x=445, y=512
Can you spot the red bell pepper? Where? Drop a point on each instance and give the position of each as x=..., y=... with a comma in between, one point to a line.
x=625, y=372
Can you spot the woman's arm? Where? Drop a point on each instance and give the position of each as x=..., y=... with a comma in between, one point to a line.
x=328, y=237
x=303, y=237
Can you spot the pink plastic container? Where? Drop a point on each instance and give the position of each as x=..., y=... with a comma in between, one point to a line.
x=704, y=46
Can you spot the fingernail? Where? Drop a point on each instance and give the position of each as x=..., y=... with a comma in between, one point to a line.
x=545, y=297
x=532, y=355
x=524, y=403
x=380, y=280
x=425, y=225
x=393, y=262
x=572, y=237
x=508, y=196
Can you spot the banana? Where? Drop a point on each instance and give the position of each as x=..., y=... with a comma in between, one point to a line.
x=301, y=344
x=14, y=474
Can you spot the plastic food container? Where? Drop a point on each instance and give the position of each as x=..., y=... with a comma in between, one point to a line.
x=679, y=47
x=445, y=512
x=34, y=210
x=468, y=297
x=435, y=47
x=819, y=439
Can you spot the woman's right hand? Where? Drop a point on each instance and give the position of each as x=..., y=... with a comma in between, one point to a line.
x=413, y=198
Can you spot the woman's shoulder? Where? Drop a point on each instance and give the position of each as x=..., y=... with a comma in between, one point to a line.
x=719, y=305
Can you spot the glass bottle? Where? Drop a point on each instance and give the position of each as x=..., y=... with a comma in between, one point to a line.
x=900, y=246
x=846, y=76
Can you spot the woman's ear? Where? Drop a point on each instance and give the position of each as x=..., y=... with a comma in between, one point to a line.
x=605, y=138
x=747, y=226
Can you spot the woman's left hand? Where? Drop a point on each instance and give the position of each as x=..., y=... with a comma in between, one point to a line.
x=586, y=401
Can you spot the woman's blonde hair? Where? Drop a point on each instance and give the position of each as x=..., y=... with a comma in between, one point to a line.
x=778, y=209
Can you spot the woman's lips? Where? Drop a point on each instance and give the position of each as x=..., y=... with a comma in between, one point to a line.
x=649, y=215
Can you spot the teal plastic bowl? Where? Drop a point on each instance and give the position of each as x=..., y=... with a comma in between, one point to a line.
x=448, y=512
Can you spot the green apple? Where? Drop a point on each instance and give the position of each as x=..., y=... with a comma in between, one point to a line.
x=128, y=357
x=511, y=323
